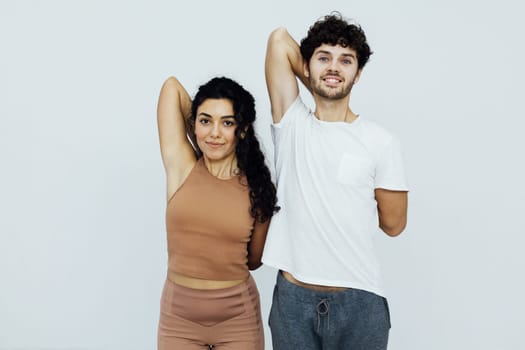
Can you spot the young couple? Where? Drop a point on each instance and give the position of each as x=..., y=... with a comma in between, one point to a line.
x=339, y=177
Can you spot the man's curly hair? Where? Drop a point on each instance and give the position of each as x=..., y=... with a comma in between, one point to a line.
x=333, y=29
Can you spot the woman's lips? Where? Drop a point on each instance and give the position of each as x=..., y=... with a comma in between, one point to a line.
x=214, y=144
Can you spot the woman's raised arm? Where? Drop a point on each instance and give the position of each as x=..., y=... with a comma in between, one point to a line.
x=178, y=156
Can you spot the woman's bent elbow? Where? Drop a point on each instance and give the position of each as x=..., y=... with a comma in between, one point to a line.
x=254, y=265
x=393, y=230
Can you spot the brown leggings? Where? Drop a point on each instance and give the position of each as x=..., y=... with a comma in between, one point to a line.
x=195, y=319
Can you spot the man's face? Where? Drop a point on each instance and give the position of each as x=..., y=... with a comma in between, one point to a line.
x=332, y=71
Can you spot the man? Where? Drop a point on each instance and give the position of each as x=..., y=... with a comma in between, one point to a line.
x=339, y=177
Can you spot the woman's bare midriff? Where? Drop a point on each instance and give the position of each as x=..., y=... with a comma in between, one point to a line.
x=287, y=276
x=197, y=283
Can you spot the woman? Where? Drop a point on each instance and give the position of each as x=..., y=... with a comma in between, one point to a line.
x=220, y=202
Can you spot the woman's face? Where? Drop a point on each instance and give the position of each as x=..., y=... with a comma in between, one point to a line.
x=215, y=129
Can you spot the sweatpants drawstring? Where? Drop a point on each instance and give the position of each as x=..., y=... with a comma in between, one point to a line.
x=323, y=308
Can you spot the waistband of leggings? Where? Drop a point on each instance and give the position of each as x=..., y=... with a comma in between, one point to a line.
x=247, y=284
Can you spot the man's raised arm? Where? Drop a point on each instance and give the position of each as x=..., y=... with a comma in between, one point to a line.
x=283, y=64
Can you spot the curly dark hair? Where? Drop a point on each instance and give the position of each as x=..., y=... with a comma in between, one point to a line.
x=333, y=29
x=250, y=159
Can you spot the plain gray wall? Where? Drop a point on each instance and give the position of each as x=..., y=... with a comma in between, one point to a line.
x=82, y=196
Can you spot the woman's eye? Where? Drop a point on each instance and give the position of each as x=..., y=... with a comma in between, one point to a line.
x=204, y=121
x=323, y=59
x=229, y=123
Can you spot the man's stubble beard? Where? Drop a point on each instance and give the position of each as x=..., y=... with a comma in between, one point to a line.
x=328, y=93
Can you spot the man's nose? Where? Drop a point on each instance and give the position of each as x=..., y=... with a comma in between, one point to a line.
x=334, y=66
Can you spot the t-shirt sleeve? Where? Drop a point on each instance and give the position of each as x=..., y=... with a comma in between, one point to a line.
x=390, y=172
x=296, y=111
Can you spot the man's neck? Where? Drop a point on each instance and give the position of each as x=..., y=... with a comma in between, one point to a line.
x=329, y=110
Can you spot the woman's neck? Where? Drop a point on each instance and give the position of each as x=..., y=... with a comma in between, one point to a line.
x=222, y=169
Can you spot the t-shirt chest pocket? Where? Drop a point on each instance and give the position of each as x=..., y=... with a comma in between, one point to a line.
x=355, y=170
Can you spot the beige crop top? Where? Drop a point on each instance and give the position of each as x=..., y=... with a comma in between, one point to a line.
x=208, y=226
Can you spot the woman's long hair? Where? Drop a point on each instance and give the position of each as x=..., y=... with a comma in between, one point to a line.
x=250, y=158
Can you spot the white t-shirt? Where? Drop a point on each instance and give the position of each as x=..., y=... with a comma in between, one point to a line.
x=326, y=175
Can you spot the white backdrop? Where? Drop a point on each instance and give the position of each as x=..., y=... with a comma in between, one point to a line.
x=82, y=236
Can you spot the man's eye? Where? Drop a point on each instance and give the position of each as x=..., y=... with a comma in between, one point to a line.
x=347, y=62
x=323, y=59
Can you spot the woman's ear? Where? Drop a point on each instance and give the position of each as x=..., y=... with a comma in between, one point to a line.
x=242, y=135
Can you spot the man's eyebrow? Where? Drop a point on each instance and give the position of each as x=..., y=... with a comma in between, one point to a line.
x=350, y=54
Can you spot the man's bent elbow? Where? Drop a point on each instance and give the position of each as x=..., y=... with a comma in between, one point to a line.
x=278, y=41
x=393, y=230
x=278, y=34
